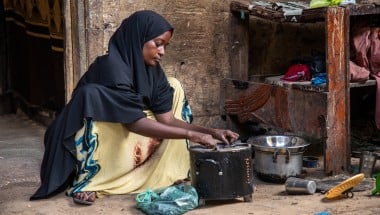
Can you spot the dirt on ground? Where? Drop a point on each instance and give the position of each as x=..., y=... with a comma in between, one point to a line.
x=21, y=150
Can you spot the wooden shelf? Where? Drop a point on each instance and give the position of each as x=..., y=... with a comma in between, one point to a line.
x=307, y=86
x=329, y=105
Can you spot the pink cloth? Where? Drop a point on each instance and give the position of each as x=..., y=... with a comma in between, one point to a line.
x=374, y=61
x=361, y=45
x=374, y=51
x=366, y=48
x=358, y=73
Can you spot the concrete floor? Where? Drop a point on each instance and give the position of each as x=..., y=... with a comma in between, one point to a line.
x=21, y=149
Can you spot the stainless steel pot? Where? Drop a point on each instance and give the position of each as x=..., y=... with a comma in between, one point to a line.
x=277, y=157
x=222, y=173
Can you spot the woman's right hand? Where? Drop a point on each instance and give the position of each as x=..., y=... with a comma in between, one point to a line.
x=204, y=139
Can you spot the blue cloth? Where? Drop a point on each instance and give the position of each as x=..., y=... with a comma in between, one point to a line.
x=319, y=79
x=323, y=213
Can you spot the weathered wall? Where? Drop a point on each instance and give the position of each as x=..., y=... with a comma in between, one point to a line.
x=275, y=45
x=198, y=52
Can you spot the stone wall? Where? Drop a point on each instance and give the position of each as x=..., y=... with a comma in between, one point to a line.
x=197, y=54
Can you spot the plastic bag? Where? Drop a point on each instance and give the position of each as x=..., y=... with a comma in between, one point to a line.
x=324, y=3
x=346, y=2
x=319, y=3
x=172, y=200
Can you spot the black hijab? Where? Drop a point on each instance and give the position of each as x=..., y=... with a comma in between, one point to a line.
x=117, y=88
x=128, y=85
x=124, y=68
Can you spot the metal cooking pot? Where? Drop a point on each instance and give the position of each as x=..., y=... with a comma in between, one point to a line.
x=222, y=173
x=278, y=157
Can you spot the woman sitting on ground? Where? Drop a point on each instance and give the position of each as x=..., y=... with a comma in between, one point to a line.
x=126, y=126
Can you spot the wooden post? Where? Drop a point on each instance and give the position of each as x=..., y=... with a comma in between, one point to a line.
x=337, y=146
x=239, y=53
x=239, y=44
x=75, y=44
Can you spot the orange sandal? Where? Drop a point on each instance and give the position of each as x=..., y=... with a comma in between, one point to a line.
x=344, y=189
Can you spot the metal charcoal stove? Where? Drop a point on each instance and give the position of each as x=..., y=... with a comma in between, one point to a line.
x=222, y=173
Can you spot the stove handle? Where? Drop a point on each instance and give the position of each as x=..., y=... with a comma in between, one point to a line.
x=202, y=161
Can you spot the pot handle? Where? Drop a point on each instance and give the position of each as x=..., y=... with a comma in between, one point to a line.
x=202, y=161
x=275, y=153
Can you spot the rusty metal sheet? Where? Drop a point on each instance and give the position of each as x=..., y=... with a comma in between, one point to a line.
x=313, y=15
x=277, y=11
x=259, y=11
x=363, y=9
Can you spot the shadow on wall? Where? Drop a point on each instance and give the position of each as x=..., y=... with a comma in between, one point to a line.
x=33, y=58
x=275, y=45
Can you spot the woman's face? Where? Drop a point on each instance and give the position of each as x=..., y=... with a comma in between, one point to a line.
x=154, y=49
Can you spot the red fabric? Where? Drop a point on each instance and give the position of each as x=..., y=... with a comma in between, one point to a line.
x=297, y=72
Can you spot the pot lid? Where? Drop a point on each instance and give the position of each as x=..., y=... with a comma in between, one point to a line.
x=278, y=141
x=220, y=147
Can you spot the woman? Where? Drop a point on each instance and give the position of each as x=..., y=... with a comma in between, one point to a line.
x=125, y=128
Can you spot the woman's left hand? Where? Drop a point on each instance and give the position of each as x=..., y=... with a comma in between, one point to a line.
x=225, y=135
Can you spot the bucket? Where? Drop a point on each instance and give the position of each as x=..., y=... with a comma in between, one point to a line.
x=367, y=163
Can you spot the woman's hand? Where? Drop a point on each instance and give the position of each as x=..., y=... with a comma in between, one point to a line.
x=226, y=136
x=204, y=139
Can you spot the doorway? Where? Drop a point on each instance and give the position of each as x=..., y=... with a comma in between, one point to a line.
x=32, y=56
